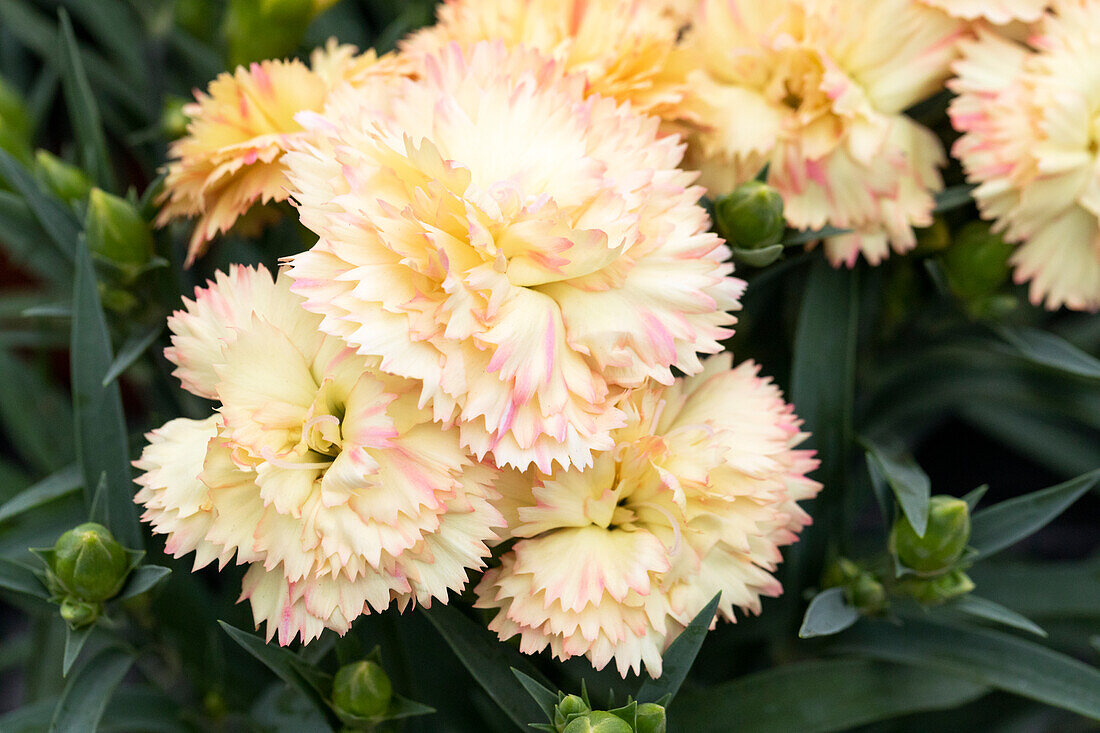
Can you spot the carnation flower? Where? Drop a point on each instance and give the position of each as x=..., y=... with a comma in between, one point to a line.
x=317, y=470
x=523, y=250
x=1028, y=114
x=995, y=11
x=239, y=129
x=696, y=497
x=623, y=47
x=817, y=90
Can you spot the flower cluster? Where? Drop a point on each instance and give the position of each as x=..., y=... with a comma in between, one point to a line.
x=1029, y=114
x=502, y=351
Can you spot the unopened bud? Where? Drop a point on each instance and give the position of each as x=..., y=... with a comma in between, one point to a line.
x=751, y=216
x=78, y=614
x=67, y=181
x=117, y=231
x=650, y=719
x=598, y=721
x=173, y=120
x=569, y=707
x=944, y=538
x=867, y=594
x=939, y=589
x=976, y=263
x=89, y=563
x=265, y=29
x=362, y=689
x=841, y=573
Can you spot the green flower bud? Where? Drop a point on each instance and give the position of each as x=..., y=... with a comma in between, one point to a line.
x=867, y=594
x=117, y=231
x=362, y=689
x=67, y=181
x=78, y=614
x=173, y=120
x=570, y=707
x=942, y=588
x=650, y=719
x=976, y=263
x=598, y=721
x=751, y=216
x=89, y=564
x=265, y=29
x=944, y=538
x=15, y=123
x=841, y=573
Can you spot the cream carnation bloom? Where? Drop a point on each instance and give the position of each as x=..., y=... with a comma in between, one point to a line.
x=239, y=129
x=317, y=470
x=623, y=47
x=696, y=497
x=523, y=250
x=1031, y=122
x=995, y=11
x=816, y=89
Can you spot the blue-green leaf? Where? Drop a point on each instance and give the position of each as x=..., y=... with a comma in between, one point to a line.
x=1047, y=349
x=984, y=657
x=64, y=482
x=312, y=683
x=678, y=658
x=131, y=349
x=546, y=698
x=15, y=576
x=54, y=217
x=818, y=696
x=972, y=498
x=74, y=642
x=985, y=609
x=1006, y=523
x=803, y=236
x=828, y=613
x=89, y=689
x=953, y=197
x=101, y=440
x=83, y=112
x=142, y=579
x=490, y=662
x=910, y=484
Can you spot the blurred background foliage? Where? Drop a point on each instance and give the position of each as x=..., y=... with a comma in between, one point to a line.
x=932, y=369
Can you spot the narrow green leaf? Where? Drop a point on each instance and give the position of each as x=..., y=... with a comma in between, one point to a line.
x=985, y=657
x=972, y=498
x=1006, y=523
x=544, y=696
x=953, y=197
x=678, y=658
x=16, y=576
x=910, y=484
x=403, y=707
x=74, y=642
x=83, y=112
x=489, y=661
x=23, y=237
x=101, y=439
x=114, y=27
x=89, y=689
x=828, y=613
x=64, y=482
x=1048, y=590
x=804, y=236
x=818, y=696
x=986, y=609
x=54, y=217
x=143, y=579
x=312, y=683
x=823, y=393
x=1047, y=349
x=131, y=349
